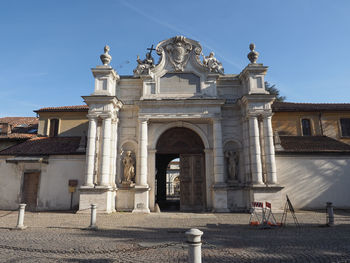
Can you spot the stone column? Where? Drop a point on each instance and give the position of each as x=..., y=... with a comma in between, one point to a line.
x=106, y=150
x=218, y=152
x=143, y=152
x=255, y=153
x=219, y=187
x=90, y=152
x=269, y=151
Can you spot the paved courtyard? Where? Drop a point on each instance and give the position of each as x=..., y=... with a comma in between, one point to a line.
x=159, y=237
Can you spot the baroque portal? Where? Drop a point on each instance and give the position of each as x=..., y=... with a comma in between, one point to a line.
x=182, y=109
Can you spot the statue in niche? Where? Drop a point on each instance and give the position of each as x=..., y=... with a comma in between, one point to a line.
x=212, y=63
x=232, y=164
x=129, y=169
x=144, y=65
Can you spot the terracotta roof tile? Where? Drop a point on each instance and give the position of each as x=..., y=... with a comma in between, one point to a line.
x=313, y=144
x=64, y=108
x=15, y=121
x=17, y=136
x=45, y=146
x=292, y=107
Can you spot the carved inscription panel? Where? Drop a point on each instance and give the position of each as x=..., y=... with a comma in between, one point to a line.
x=179, y=83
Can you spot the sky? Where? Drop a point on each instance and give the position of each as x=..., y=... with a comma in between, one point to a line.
x=47, y=48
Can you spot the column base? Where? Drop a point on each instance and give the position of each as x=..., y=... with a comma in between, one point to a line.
x=102, y=196
x=141, y=201
x=20, y=228
x=220, y=198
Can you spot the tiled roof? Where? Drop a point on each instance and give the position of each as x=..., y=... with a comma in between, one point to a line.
x=64, y=108
x=45, y=146
x=313, y=144
x=291, y=106
x=15, y=121
x=17, y=136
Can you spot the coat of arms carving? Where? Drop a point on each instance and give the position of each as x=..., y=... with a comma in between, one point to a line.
x=179, y=52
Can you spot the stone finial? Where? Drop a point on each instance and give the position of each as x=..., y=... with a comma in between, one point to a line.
x=106, y=57
x=253, y=55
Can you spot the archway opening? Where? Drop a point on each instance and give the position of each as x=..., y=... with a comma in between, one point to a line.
x=180, y=176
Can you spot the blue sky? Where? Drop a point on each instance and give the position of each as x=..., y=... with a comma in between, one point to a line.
x=47, y=48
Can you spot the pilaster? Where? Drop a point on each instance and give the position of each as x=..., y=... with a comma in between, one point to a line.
x=141, y=201
x=219, y=188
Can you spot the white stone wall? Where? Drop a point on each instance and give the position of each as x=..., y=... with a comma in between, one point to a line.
x=53, y=191
x=311, y=181
x=10, y=179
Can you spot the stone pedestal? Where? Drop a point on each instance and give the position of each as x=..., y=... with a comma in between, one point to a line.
x=220, y=198
x=102, y=196
x=271, y=194
x=141, y=201
x=125, y=199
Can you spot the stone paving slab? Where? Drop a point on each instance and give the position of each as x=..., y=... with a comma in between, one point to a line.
x=160, y=237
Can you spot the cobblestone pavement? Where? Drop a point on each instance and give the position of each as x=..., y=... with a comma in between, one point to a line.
x=159, y=237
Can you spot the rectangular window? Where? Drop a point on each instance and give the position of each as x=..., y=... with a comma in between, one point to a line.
x=345, y=127
x=306, y=127
x=53, y=127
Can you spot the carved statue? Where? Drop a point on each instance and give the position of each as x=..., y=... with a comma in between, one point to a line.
x=144, y=65
x=129, y=170
x=232, y=164
x=212, y=63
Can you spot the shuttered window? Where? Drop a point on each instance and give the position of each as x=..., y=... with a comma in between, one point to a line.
x=306, y=127
x=54, y=127
x=345, y=127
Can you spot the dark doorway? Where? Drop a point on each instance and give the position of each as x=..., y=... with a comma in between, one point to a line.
x=30, y=190
x=187, y=148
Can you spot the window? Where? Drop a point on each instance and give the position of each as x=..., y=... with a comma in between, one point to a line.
x=345, y=127
x=53, y=127
x=306, y=127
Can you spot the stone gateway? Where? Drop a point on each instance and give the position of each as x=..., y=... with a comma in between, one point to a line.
x=179, y=133
x=183, y=108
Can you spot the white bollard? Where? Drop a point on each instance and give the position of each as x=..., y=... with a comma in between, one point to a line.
x=93, y=217
x=20, y=220
x=194, y=245
x=330, y=214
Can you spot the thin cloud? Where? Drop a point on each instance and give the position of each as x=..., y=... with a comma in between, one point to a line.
x=180, y=31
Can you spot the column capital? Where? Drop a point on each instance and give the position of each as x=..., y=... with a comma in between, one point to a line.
x=152, y=151
x=267, y=115
x=208, y=150
x=143, y=119
x=106, y=115
x=92, y=116
x=217, y=119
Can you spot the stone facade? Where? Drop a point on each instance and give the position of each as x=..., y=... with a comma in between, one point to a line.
x=227, y=112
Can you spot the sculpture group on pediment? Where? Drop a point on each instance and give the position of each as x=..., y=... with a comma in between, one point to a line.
x=212, y=63
x=145, y=65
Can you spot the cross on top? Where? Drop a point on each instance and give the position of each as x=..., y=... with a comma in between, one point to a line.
x=151, y=49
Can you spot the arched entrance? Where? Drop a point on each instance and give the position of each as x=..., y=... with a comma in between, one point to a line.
x=186, y=147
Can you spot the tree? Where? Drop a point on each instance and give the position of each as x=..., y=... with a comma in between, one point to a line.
x=274, y=91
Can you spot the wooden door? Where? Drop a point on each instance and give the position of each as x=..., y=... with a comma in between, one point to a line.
x=30, y=190
x=192, y=182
